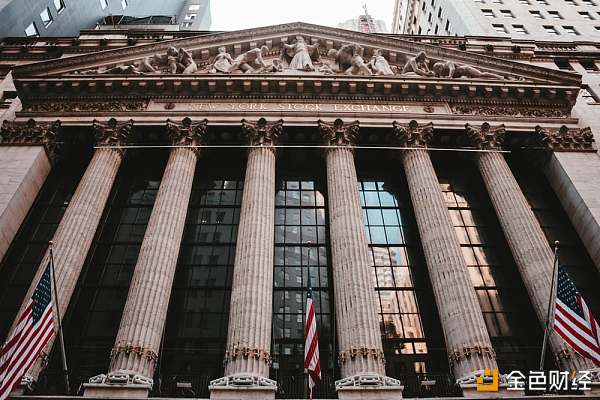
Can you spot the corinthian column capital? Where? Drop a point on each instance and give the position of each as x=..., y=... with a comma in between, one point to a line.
x=565, y=139
x=413, y=134
x=262, y=133
x=339, y=134
x=112, y=134
x=31, y=133
x=187, y=133
x=485, y=137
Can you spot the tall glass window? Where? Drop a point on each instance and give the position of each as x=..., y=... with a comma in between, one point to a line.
x=412, y=345
x=300, y=218
x=509, y=317
x=92, y=320
x=23, y=257
x=196, y=330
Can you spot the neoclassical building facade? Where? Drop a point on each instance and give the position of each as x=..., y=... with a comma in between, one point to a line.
x=193, y=184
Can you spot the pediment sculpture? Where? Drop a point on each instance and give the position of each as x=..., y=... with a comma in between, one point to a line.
x=299, y=57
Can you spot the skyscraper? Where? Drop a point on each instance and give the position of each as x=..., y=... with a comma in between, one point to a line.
x=68, y=17
x=536, y=19
x=365, y=23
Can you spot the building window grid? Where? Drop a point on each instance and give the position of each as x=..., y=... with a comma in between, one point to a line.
x=393, y=246
x=199, y=311
x=300, y=217
x=46, y=17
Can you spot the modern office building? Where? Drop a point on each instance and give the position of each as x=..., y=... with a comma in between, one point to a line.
x=535, y=19
x=67, y=17
x=365, y=23
x=190, y=191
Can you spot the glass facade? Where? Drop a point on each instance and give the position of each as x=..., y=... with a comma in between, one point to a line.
x=510, y=320
x=23, y=257
x=196, y=330
x=92, y=320
x=407, y=314
x=300, y=218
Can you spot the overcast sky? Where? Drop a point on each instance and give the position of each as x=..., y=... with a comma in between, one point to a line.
x=231, y=15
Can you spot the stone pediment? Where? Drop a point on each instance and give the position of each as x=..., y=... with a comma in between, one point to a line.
x=296, y=49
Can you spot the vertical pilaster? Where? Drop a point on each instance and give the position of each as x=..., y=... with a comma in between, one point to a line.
x=360, y=347
x=527, y=242
x=248, y=354
x=467, y=341
x=134, y=355
x=76, y=230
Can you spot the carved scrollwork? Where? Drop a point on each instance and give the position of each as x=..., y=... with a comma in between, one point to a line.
x=413, y=134
x=32, y=133
x=262, y=133
x=86, y=106
x=139, y=351
x=112, y=134
x=352, y=353
x=565, y=139
x=525, y=112
x=187, y=133
x=339, y=134
x=486, y=137
x=467, y=351
x=245, y=353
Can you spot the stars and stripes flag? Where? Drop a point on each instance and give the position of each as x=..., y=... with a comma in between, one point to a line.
x=312, y=362
x=34, y=330
x=573, y=320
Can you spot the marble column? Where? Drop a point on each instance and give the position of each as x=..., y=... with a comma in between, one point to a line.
x=527, y=242
x=134, y=355
x=359, y=337
x=248, y=354
x=75, y=233
x=467, y=340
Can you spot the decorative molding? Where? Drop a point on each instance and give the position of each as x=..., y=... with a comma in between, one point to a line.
x=112, y=134
x=413, y=134
x=510, y=111
x=188, y=133
x=486, y=137
x=235, y=352
x=466, y=352
x=262, y=133
x=122, y=377
x=243, y=380
x=339, y=134
x=565, y=139
x=368, y=380
x=351, y=354
x=86, y=106
x=31, y=133
x=148, y=354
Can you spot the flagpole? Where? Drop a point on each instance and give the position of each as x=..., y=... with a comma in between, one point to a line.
x=550, y=305
x=60, y=331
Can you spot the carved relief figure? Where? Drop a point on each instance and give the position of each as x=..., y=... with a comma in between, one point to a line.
x=300, y=55
x=448, y=69
x=137, y=68
x=418, y=64
x=349, y=60
x=379, y=64
x=180, y=60
x=222, y=61
x=250, y=61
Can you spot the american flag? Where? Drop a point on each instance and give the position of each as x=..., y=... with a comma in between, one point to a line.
x=312, y=362
x=34, y=330
x=573, y=320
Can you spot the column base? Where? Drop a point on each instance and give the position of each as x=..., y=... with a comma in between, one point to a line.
x=242, y=387
x=470, y=391
x=119, y=384
x=367, y=387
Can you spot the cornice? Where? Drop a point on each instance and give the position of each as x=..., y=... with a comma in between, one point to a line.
x=259, y=35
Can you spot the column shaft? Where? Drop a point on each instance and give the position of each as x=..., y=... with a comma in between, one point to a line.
x=361, y=349
x=529, y=246
x=467, y=339
x=76, y=231
x=140, y=332
x=250, y=318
